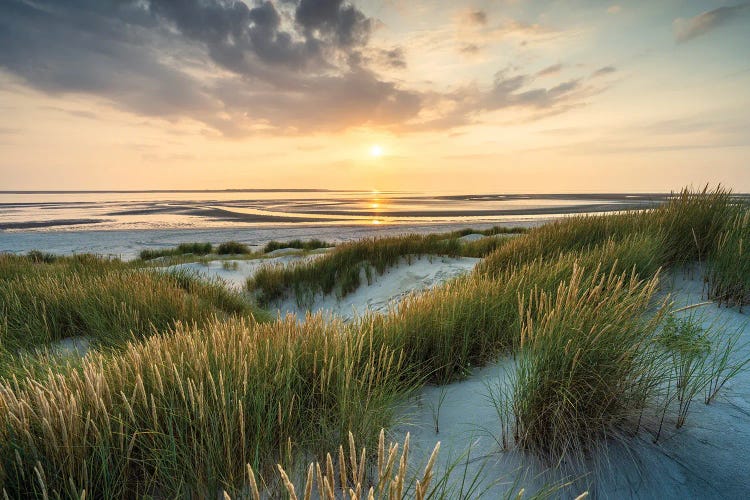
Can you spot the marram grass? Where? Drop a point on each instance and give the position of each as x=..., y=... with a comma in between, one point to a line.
x=688, y=226
x=104, y=301
x=729, y=265
x=473, y=319
x=206, y=391
x=183, y=414
x=340, y=271
x=181, y=249
x=587, y=363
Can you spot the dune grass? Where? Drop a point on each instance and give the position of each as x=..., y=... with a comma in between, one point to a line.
x=183, y=413
x=312, y=244
x=688, y=224
x=391, y=476
x=729, y=266
x=181, y=249
x=232, y=248
x=493, y=231
x=103, y=300
x=187, y=410
x=590, y=361
x=473, y=319
x=186, y=252
x=341, y=270
x=587, y=365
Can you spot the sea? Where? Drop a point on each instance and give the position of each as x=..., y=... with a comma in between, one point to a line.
x=121, y=223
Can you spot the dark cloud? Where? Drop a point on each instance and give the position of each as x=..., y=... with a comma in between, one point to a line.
x=392, y=58
x=605, y=70
x=286, y=67
x=334, y=18
x=99, y=48
x=155, y=58
x=687, y=29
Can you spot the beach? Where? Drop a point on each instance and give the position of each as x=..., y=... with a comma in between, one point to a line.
x=427, y=332
x=123, y=223
x=699, y=460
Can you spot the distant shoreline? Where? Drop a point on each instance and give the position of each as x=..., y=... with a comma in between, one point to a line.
x=221, y=215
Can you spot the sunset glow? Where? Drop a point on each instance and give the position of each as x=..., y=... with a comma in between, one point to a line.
x=515, y=96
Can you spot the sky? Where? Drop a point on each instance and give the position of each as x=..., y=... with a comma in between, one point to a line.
x=515, y=96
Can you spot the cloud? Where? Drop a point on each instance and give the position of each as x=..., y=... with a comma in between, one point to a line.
x=687, y=29
x=474, y=18
x=509, y=91
x=550, y=70
x=605, y=70
x=469, y=49
x=513, y=91
x=391, y=58
x=292, y=66
x=343, y=22
x=175, y=59
x=614, y=9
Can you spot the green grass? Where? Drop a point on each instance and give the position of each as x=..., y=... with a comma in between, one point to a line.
x=729, y=265
x=232, y=248
x=586, y=365
x=104, y=300
x=341, y=270
x=473, y=319
x=204, y=391
x=181, y=249
x=688, y=224
x=313, y=244
x=493, y=231
x=182, y=414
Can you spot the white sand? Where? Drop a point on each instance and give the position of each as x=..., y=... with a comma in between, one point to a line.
x=71, y=346
x=387, y=290
x=707, y=458
x=284, y=251
x=471, y=237
x=236, y=278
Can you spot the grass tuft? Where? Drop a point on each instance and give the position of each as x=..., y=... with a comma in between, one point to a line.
x=586, y=362
x=103, y=300
x=313, y=244
x=181, y=249
x=341, y=270
x=729, y=265
x=232, y=248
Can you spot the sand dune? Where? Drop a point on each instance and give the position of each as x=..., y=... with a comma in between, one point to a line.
x=703, y=459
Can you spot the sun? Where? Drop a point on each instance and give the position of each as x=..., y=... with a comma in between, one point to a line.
x=376, y=151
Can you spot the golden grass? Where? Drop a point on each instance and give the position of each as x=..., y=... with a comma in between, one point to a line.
x=185, y=412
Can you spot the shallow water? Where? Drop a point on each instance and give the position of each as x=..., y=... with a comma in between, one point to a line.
x=214, y=209
x=123, y=223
